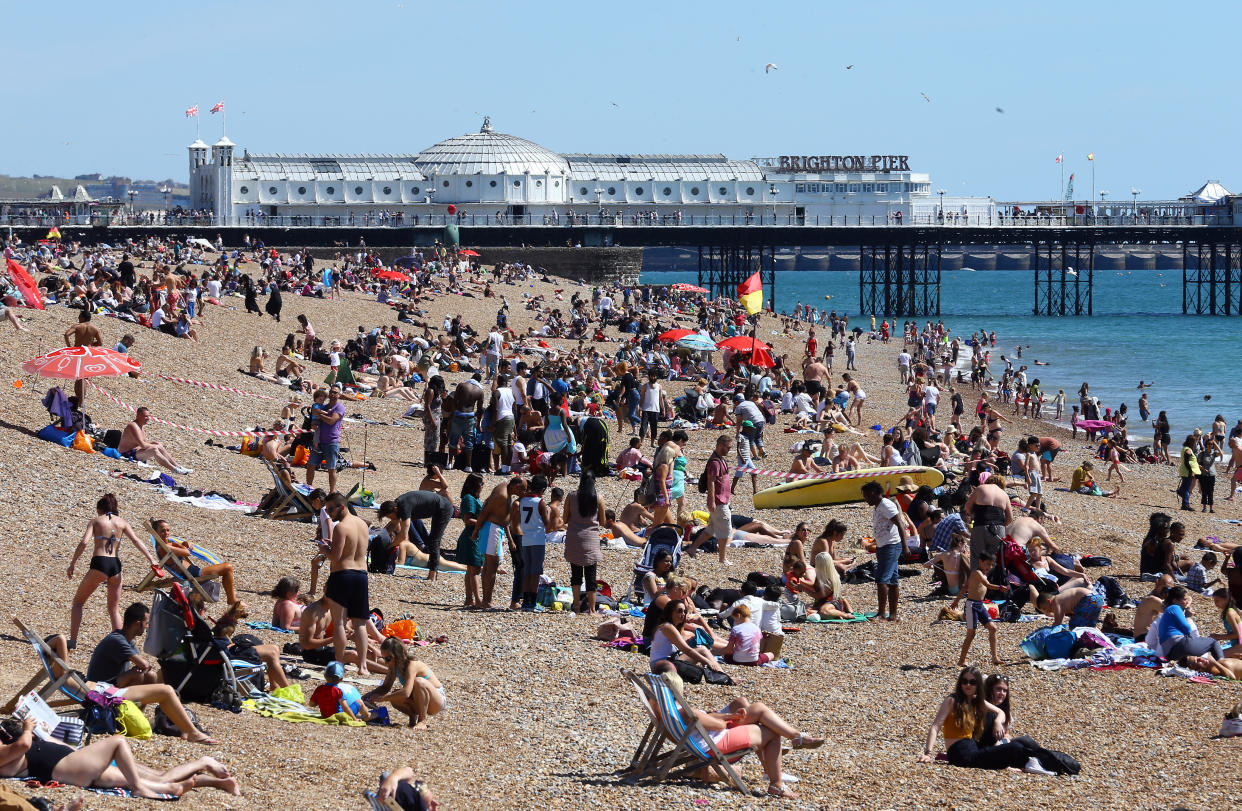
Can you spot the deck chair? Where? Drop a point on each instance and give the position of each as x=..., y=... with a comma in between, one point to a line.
x=70, y=684
x=191, y=658
x=660, y=538
x=693, y=747
x=289, y=503
x=180, y=572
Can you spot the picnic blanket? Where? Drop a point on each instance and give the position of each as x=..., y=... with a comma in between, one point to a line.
x=282, y=704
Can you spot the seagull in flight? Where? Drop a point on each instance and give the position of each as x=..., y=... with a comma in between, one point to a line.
x=768, y=68
x=1000, y=109
x=925, y=98
x=849, y=67
x=614, y=104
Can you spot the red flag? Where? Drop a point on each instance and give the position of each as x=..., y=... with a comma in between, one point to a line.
x=750, y=294
x=217, y=107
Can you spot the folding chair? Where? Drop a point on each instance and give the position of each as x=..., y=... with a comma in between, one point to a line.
x=290, y=504
x=693, y=747
x=70, y=683
x=652, y=737
x=170, y=561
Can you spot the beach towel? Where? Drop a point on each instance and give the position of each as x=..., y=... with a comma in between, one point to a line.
x=294, y=712
x=267, y=626
x=816, y=618
x=108, y=792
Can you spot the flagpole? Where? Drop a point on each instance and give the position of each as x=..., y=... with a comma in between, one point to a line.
x=1062, y=190
x=224, y=120
x=1093, y=182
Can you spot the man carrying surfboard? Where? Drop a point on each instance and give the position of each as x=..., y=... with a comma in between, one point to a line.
x=890, y=533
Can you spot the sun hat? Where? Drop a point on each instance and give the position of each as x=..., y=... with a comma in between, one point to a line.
x=906, y=485
x=334, y=670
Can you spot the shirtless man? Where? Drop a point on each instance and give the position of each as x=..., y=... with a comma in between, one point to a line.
x=636, y=515
x=493, y=525
x=992, y=512
x=1151, y=606
x=1079, y=606
x=803, y=463
x=817, y=377
x=135, y=445
x=345, y=592
x=83, y=333
x=316, y=645
x=467, y=406
x=1023, y=528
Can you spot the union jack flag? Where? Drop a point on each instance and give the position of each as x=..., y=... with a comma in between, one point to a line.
x=192, y=112
x=217, y=107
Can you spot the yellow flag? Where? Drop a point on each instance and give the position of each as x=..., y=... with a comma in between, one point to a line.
x=1090, y=156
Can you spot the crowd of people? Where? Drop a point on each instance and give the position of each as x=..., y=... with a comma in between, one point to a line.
x=500, y=401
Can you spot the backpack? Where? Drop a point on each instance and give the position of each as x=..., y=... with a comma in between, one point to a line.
x=702, y=485
x=1059, y=643
x=1114, y=595
x=1059, y=762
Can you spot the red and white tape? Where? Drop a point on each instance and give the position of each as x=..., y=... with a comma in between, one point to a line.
x=218, y=387
x=190, y=428
x=852, y=474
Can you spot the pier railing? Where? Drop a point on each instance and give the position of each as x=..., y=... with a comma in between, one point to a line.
x=634, y=220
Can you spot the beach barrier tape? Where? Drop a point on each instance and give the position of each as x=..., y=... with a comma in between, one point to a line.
x=190, y=428
x=853, y=474
x=218, y=387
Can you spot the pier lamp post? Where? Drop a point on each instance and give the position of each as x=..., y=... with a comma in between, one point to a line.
x=941, y=193
x=599, y=203
x=772, y=191
x=1136, y=193
x=167, y=192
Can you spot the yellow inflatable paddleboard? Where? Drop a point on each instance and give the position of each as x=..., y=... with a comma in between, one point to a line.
x=841, y=488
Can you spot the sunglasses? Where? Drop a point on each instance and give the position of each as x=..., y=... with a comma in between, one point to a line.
x=969, y=681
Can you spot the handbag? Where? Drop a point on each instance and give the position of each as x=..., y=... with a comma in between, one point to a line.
x=717, y=677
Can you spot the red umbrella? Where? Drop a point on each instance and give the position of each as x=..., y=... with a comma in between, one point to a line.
x=742, y=343
x=393, y=275
x=77, y=362
x=675, y=334
x=467, y=252
x=687, y=288
x=762, y=359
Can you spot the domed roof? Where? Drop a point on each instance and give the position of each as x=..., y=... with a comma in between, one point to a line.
x=490, y=153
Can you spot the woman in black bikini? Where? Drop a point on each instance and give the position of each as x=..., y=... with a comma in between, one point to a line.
x=24, y=755
x=105, y=530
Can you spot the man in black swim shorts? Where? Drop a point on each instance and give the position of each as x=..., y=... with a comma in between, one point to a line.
x=346, y=591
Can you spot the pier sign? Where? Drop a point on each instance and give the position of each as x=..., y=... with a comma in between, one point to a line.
x=843, y=163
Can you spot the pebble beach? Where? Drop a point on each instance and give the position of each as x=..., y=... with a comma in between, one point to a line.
x=539, y=715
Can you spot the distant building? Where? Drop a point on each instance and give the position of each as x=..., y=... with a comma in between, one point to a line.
x=494, y=177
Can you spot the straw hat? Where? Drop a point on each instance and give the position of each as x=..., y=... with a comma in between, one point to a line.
x=906, y=485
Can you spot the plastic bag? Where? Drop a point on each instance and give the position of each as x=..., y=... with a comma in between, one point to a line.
x=81, y=442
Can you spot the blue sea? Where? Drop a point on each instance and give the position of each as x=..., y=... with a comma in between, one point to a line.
x=1138, y=333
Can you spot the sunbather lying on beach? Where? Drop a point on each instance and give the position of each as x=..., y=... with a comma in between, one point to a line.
x=106, y=763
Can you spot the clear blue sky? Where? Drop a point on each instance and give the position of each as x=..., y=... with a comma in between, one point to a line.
x=1149, y=87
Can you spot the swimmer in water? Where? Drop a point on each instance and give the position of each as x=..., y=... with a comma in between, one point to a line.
x=1041, y=363
x=1143, y=385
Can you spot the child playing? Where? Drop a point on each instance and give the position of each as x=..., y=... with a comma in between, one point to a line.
x=333, y=696
x=531, y=513
x=977, y=586
x=1058, y=403
x=745, y=461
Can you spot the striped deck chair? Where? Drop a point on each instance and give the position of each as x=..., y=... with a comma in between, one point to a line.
x=693, y=747
x=70, y=683
x=288, y=502
x=176, y=566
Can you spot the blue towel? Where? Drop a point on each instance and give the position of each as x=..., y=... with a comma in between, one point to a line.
x=267, y=626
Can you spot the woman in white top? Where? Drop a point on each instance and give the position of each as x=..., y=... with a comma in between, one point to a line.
x=671, y=636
